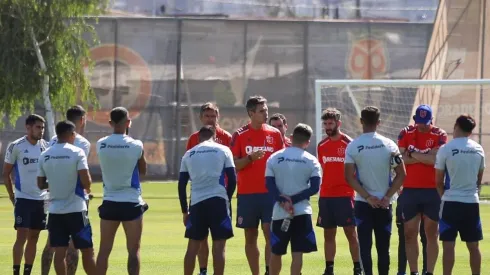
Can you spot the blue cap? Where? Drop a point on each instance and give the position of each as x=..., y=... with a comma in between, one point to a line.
x=423, y=114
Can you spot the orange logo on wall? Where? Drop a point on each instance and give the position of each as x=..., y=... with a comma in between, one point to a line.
x=132, y=76
x=367, y=59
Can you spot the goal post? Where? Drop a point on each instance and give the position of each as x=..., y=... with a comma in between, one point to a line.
x=398, y=99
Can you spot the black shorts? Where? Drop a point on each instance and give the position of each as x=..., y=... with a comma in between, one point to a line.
x=29, y=214
x=209, y=215
x=253, y=209
x=460, y=217
x=300, y=234
x=335, y=212
x=74, y=226
x=121, y=211
x=425, y=201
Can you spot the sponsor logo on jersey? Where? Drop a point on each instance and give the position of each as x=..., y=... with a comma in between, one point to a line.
x=332, y=159
x=250, y=149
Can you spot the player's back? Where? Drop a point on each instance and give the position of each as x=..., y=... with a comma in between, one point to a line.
x=371, y=153
x=331, y=154
x=60, y=164
x=464, y=158
x=247, y=140
x=80, y=142
x=206, y=163
x=118, y=157
x=292, y=168
x=24, y=156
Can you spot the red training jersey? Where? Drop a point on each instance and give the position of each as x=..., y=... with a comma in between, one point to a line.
x=222, y=137
x=421, y=175
x=287, y=141
x=331, y=154
x=251, y=179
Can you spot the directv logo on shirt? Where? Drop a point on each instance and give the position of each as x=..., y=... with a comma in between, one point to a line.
x=202, y=152
x=362, y=147
x=281, y=159
x=104, y=145
x=456, y=151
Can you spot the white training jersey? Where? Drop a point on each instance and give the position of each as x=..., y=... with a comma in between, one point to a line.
x=80, y=142
x=292, y=169
x=461, y=159
x=24, y=156
x=118, y=157
x=60, y=164
x=206, y=164
x=371, y=153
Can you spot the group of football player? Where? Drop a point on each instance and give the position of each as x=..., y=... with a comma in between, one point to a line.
x=434, y=182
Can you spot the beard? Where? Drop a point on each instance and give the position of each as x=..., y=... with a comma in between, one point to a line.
x=332, y=132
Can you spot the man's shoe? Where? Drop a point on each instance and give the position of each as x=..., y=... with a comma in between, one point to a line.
x=357, y=271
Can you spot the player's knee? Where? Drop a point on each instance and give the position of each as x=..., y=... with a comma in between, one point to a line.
x=251, y=235
x=473, y=248
x=329, y=235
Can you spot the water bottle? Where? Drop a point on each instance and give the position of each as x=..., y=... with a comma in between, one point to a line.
x=285, y=224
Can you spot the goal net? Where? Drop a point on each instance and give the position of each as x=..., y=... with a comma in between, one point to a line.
x=398, y=99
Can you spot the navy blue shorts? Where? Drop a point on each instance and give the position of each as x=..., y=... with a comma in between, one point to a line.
x=425, y=201
x=460, y=217
x=29, y=214
x=74, y=226
x=253, y=209
x=209, y=215
x=121, y=211
x=335, y=212
x=300, y=234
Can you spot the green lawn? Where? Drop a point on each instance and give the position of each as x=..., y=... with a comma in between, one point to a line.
x=163, y=245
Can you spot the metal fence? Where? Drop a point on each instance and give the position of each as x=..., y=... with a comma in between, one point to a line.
x=163, y=69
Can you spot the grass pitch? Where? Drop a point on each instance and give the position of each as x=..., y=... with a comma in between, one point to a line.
x=163, y=244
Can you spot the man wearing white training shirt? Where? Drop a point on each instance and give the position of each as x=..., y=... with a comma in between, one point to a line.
x=368, y=169
x=292, y=177
x=459, y=171
x=207, y=164
x=65, y=167
x=77, y=115
x=122, y=161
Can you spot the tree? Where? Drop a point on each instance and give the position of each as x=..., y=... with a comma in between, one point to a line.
x=44, y=48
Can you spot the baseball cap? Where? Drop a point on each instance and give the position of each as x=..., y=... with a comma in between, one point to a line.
x=423, y=114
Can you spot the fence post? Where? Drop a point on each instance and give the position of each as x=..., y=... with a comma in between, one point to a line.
x=306, y=71
x=482, y=71
x=178, y=132
x=114, y=71
x=244, y=65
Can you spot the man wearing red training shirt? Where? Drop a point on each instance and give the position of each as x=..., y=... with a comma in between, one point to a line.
x=209, y=115
x=279, y=122
x=419, y=144
x=336, y=206
x=251, y=146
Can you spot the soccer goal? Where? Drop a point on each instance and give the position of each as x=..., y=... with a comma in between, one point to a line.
x=398, y=99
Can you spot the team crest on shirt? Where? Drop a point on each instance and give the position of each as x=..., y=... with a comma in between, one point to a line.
x=341, y=151
x=269, y=139
x=429, y=143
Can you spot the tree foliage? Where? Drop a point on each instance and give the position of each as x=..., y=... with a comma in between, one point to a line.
x=64, y=38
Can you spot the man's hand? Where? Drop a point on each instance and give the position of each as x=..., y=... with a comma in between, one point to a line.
x=287, y=204
x=185, y=217
x=385, y=202
x=257, y=155
x=12, y=199
x=374, y=202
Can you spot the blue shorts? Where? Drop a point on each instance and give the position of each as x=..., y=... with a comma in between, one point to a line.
x=74, y=226
x=209, y=215
x=335, y=212
x=300, y=234
x=425, y=201
x=253, y=209
x=29, y=214
x=460, y=217
x=121, y=211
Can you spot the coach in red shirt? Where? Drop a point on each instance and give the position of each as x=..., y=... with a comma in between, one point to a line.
x=419, y=144
x=209, y=115
x=279, y=122
x=251, y=146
